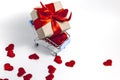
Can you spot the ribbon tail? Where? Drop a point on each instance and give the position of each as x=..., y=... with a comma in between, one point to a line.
x=69, y=17
x=42, y=5
x=62, y=19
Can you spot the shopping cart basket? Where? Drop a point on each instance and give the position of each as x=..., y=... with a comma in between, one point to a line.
x=54, y=44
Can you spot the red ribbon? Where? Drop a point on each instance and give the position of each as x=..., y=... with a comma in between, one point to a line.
x=48, y=14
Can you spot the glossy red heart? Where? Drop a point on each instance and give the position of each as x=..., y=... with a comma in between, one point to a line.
x=49, y=77
x=51, y=69
x=34, y=56
x=70, y=63
x=9, y=50
x=108, y=62
x=58, y=59
x=10, y=53
x=4, y=79
x=9, y=47
x=27, y=77
x=8, y=67
x=21, y=72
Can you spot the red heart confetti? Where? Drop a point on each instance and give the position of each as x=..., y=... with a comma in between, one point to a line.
x=10, y=53
x=9, y=50
x=49, y=77
x=4, y=79
x=58, y=59
x=21, y=72
x=10, y=47
x=108, y=62
x=34, y=56
x=70, y=63
x=8, y=67
x=51, y=69
x=27, y=77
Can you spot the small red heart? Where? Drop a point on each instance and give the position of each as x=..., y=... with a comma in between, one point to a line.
x=27, y=77
x=58, y=59
x=9, y=50
x=34, y=56
x=21, y=72
x=10, y=53
x=49, y=77
x=8, y=67
x=108, y=62
x=4, y=79
x=51, y=69
x=70, y=63
x=10, y=47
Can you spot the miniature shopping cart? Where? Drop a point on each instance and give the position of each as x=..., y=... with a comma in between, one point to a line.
x=50, y=24
x=52, y=44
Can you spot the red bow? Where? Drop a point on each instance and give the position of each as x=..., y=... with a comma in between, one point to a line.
x=47, y=14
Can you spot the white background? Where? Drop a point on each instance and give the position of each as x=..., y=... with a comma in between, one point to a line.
x=95, y=37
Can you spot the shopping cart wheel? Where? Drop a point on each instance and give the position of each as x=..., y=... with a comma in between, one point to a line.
x=36, y=44
x=53, y=53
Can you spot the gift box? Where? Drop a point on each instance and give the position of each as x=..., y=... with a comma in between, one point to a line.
x=50, y=19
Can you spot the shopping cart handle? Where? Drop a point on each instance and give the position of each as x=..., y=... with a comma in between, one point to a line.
x=31, y=22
